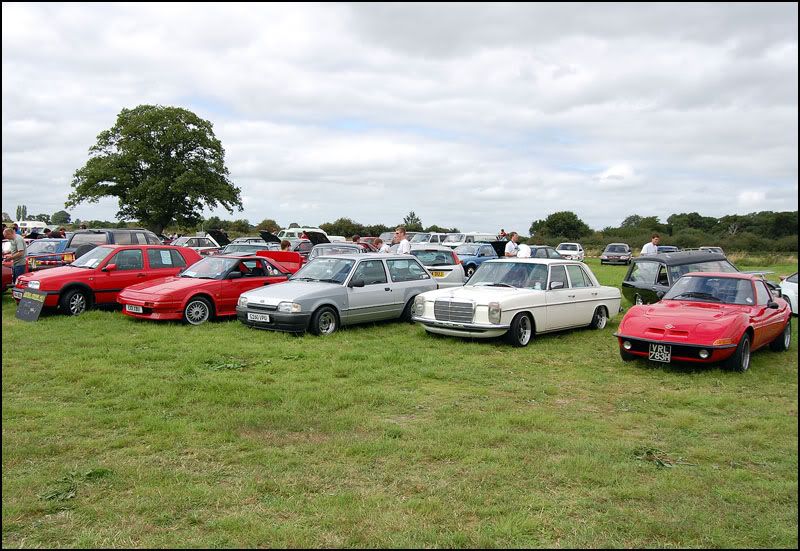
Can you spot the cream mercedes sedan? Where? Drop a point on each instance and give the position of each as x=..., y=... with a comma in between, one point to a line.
x=519, y=297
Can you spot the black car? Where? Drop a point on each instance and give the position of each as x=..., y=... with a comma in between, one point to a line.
x=83, y=241
x=302, y=246
x=616, y=253
x=649, y=277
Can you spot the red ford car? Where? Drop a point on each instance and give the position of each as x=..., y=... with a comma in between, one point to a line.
x=98, y=276
x=211, y=287
x=705, y=318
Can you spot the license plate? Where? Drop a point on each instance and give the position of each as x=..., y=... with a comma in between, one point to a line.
x=133, y=308
x=660, y=352
x=438, y=274
x=16, y=294
x=257, y=317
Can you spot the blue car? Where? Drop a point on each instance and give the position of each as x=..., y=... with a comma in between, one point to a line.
x=473, y=255
x=48, y=250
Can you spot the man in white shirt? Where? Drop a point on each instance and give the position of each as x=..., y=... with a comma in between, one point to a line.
x=511, y=247
x=382, y=247
x=404, y=247
x=652, y=247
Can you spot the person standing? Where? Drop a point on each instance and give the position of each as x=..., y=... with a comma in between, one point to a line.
x=404, y=247
x=652, y=247
x=16, y=254
x=502, y=236
x=286, y=245
x=511, y=247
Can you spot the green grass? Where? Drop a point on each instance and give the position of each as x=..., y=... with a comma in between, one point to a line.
x=122, y=433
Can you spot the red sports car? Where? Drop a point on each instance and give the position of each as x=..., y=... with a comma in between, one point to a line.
x=208, y=288
x=99, y=275
x=708, y=317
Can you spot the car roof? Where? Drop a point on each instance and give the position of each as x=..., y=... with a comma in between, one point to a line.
x=729, y=275
x=370, y=255
x=681, y=257
x=433, y=247
x=536, y=260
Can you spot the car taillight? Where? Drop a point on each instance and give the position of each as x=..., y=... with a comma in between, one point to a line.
x=456, y=260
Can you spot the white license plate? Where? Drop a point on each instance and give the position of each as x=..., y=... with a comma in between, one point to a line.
x=660, y=352
x=257, y=317
x=133, y=308
x=16, y=294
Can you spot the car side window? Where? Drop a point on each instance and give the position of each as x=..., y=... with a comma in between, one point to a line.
x=663, y=278
x=140, y=238
x=122, y=238
x=163, y=258
x=643, y=272
x=558, y=274
x=129, y=259
x=763, y=296
x=406, y=270
x=177, y=259
x=371, y=272
x=792, y=278
x=552, y=253
x=252, y=268
x=152, y=239
x=578, y=277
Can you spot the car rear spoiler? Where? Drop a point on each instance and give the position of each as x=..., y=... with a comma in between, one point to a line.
x=289, y=261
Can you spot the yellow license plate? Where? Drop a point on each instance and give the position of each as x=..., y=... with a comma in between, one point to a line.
x=438, y=274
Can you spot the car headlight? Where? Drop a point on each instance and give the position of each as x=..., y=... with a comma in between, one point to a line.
x=289, y=307
x=494, y=312
x=243, y=301
x=33, y=285
x=419, y=305
x=604, y=257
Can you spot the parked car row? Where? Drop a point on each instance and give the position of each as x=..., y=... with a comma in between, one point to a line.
x=692, y=306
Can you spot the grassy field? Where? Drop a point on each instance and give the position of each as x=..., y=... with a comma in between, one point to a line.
x=122, y=433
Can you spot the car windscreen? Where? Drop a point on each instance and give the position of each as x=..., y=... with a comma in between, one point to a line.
x=524, y=275
x=244, y=248
x=434, y=258
x=90, y=237
x=454, y=238
x=92, y=258
x=616, y=249
x=334, y=249
x=567, y=247
x=467, y=250
x=725, y=290
x=708, y=266
x=330, y=270
x=420, y=238
x=211, y=267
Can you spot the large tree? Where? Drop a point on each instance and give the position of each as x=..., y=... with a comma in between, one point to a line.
x=561, y=224
x=22, y=212
x=60, y=217
x=164, y=164
x=412, y=222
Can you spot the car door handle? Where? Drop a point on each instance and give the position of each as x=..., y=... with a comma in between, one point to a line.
x=594, y=294
x=141, y=275
x=570, y=296
x=387, y=288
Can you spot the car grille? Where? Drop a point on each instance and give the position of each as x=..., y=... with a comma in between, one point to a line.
x=446, y=310
x=256, y=306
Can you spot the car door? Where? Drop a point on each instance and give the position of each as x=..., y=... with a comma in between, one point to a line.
x=560, y=300
x=584, y=294
x=767, y=322
x=373, y=301
x=640, y=281
x=408, y=279
x=256, y=272
x=128, y=269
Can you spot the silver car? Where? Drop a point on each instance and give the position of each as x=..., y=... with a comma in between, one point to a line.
x=443, y=264
x=338, y=290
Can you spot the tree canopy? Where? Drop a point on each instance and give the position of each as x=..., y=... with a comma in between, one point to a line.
x=412, y=222
x=562, y=224
x=60, y=217
x=164, y=164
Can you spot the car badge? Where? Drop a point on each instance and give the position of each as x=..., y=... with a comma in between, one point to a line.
x=669, y=326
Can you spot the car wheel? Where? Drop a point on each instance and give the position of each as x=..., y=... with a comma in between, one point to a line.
x=470, y=271
x=324, y=321
x=74, y=302
x=521, y=331
x=600, y=318
x=784, y=340
x=197, y=311
x=625, y=355
x=406, y=315
x=740, y=361
x=638, y=300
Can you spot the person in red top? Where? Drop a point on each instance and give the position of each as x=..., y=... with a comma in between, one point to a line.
x=502, y=235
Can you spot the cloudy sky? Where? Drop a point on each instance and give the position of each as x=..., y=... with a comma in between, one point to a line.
x=475, y=116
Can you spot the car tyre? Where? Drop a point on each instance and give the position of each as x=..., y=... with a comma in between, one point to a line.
x=784, y=340
x=406, y=315
x=470, y=271
x=197, y=312
x=600, y=318
x=521, y=331
x=740, y=361
x=324, y=321
x=625, y=355
x=74, y=302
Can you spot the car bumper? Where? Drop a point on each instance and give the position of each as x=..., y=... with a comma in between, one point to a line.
x=614, y=260
x=456, y=329
x=153, y=310
x=278, y=321
x=51, y=301
x=681, y=351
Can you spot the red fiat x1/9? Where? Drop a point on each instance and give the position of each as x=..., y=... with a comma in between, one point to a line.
x=98, y=276
x=209, y=288
x=705, y=318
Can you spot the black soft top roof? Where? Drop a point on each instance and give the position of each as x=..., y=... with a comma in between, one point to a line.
x=681, y=257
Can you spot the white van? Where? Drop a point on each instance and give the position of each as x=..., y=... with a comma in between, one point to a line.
x=27, y=225
x=295, y=233
x=453, y=240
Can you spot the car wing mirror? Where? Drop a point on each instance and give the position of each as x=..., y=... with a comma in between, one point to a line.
x=110, y=267
x=660, y=294
x=235, y=275
x=356, y=283
x=556, y=285
x=773, y=305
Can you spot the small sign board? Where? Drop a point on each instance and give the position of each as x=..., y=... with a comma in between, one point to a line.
x=30, y=305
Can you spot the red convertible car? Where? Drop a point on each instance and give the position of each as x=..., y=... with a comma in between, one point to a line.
x=100, y=274
x=208, y=288
x=705, y=318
